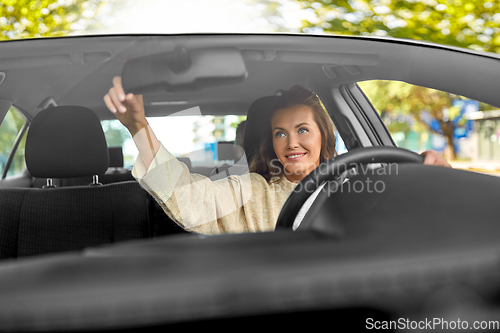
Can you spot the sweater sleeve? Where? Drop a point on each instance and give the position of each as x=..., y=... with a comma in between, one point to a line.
x=194, y=201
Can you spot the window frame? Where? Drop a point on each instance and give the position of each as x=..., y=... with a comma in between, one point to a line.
x=368, y=118
x=17, y=141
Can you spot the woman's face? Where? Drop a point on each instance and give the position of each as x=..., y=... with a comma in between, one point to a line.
x=296, y=141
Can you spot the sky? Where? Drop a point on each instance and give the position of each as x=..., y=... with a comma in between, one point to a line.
x=176, y=16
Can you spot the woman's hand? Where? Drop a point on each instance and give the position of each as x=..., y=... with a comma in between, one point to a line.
x=128, y=108
x=432, y=157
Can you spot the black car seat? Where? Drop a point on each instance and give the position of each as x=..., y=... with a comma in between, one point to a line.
x=115, y=160
x=65, y=142
x=116, y=171
x=226, y=152
x=257, y=119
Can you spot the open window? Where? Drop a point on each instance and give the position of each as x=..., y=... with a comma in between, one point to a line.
x=420, y=118
x=13, y=130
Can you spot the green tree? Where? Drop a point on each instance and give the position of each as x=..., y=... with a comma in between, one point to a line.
x=9, y=130
x=238, y=121
x=47, y=18
x=471, y=24
x=394, y=99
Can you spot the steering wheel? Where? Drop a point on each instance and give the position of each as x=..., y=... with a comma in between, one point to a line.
x=333, y=168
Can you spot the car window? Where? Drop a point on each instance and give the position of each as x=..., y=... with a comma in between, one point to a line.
x=420, y=118
x=10, y=129
x=195, y=137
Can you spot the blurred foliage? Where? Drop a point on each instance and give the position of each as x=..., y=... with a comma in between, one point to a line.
x=402, y=107
x=473, y=24
x=396, y=100
x=401, y=104
x=48, y=18
x=116, y=134
x=238, y=121
x=45, y=18
x=9, y=130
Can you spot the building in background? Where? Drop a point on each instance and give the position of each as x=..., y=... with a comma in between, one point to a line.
x=486, y=135
x=208, y=130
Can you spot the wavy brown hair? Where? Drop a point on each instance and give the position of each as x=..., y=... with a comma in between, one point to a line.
x=265, y=162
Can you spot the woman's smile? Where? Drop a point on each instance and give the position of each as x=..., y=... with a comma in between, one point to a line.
x=295, y=156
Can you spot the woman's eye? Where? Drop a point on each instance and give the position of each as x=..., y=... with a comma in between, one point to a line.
x=279, y=134
x=302, y=130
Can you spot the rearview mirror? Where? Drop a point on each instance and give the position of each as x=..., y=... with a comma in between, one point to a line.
x=183, y=70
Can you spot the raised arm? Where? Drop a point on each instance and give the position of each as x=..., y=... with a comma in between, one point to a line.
x=129, y=110
x=193, y=201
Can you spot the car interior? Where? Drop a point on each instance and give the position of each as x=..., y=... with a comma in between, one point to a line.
x=378, y=250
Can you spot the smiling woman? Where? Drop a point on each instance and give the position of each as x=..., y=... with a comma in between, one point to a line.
x=296, y=141
x=299, y=139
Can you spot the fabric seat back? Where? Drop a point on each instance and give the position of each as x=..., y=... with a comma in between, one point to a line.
x=67, y=142
x=258, y=116
x=36, y=221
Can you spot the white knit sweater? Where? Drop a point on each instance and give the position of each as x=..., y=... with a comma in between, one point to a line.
x=235, y=204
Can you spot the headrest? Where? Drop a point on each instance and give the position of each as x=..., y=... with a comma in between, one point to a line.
x=225, y=151
x=115, y=157
x=257, y=119
x=66, y=142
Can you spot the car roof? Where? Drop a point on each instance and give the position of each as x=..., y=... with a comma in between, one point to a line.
x=79, y=70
